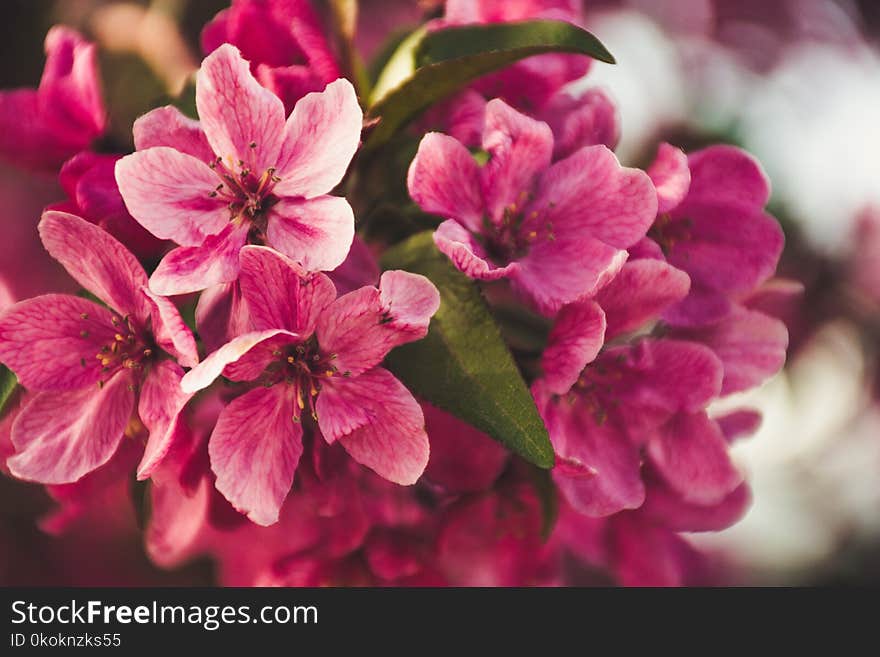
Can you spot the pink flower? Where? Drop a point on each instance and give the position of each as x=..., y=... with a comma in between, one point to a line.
x=315, y=356
x=242, y=175
x=41, y=128
x=556, y=231
x=89, y=364
x=712, y=225
x=284, y=41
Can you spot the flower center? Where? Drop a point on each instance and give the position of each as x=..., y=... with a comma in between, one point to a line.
x=667, y=233
x=248, y=193
x=129, y=348
x=512, y=237
x=594, y=391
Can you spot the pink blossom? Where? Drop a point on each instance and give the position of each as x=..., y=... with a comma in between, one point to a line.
x=557, y=231
x=88, y=365
x=41, y=128
x=242, y=175
x=283, y=40
x=319, y=357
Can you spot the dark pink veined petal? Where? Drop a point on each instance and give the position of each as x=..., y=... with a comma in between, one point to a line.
x=169, y=194
x=671, y=177
x=26, y=140
x=646, y=554
x=725, y=175
x=519, y=149
x=390, y=438
x=585, y=120
x=320, y=138
x=468, y=254
x=750, y=344
x=358, y=269
x=97, y=261
x=255, y=361
x=666, y=507
x=443, y=179
x=317, y=232
x=361, y=327
x=646, y=248
x=290, y=83
x=62, y=436
x=170, y=331
x=281, y=294
x=254, y=451
x=242, y=120
x=577, y=336
x=640, y=293
x=701, y=307
x=565, y=269
x=203, y=374
x=590, y=194
x=161, y=401
x=194, y=268
x=221, y=314
x=51, y=341
x=168, y=126
x=690, y=453
x=597, y=468
x=739, y=424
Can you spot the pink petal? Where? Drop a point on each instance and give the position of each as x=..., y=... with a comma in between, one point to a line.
x=281, y=294
x=170, y=331
x=669, y=509
x=242, y=120
x=254, y=451
x=726, y=175
x=701, y=307
x=587, y=120
x=194, y=268
x=391, y=440
x=203, y=374
x=359, y=268
x=739, y=424
x=443, y=179
x=640, y=293
x=51, y=341
x=519, y=148
x=468, y=254
x=577, y=336
x=290, y=83
x=62, y=436
x=169, y=193
x=221, y=314
x=160, y=404
x=97, y=261
x=750, y=344
x=320, y=138
x=671, y=177
x=317, y=233
x=361, y=327
x=646, y=554
x=690, y=453
x=168, y=126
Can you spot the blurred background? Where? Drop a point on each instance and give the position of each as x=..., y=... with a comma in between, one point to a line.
x=795, y=82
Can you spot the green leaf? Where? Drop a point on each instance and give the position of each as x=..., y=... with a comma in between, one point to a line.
x=428, y=67
x=463, y=365
x=8, y=385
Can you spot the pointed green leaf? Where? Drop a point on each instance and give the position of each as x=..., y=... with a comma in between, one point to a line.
x=463, y=365
x=8, y=384
x=428, y=67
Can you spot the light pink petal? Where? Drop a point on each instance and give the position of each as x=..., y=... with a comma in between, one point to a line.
x=565, y=269
x=669, y=509
x=577, y=336
x=62, y=436
x=203, y=374
x=168, y=126
x=170, y=331
x=320, y=138
x=671, y=177
x=317, y=233
x=361, y=327
x=161, y=401
x=51, y=341
x=640, y=293
x=194, y=268
x=242, y=120
x=468, y=254
x=726, y=175
x=390, y=438
x=169, y=194
x=739, y=424
x=590, y=194
x=443, y=179
x=254, y=451
x=519, y=149
x=281, y=294
x=690, y=453
x=750, y=344
x=97, y=261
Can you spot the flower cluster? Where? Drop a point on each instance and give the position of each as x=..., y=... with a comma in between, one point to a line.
x=230, y=340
